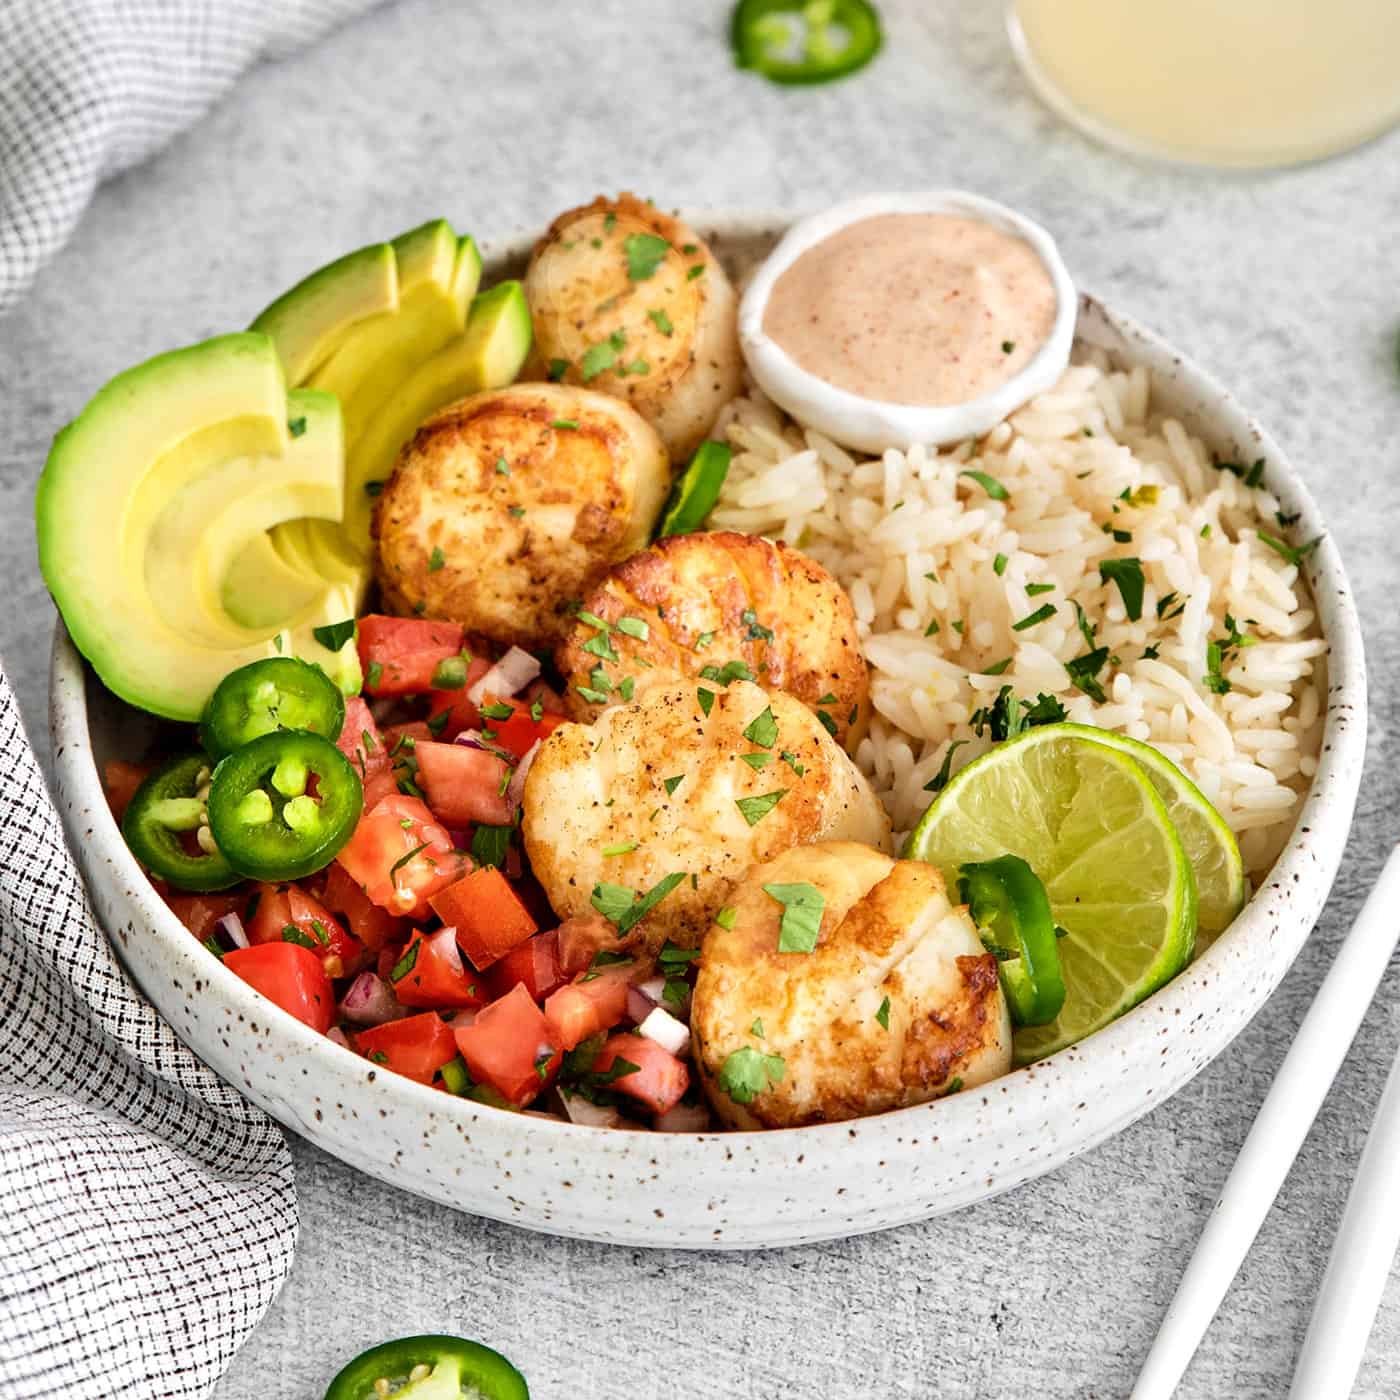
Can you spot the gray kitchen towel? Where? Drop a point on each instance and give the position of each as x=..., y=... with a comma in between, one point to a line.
x=147, y=1212
x=90, y=87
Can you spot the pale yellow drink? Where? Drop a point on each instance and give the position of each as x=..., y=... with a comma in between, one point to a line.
x=1221, y=82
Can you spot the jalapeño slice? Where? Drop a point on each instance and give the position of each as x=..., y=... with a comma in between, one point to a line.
x=162, y=825
x=429, y=1368
x=283, y=805
x=1009, y=904
x=804, y=41
x=696, y=490
x=279, y=692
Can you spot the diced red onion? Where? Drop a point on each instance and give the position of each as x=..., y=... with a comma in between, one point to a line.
x=667, y=1032
x=509, y=676
x=639, y=1005
x=591, y=1115
x=653, y=989
x=444, y=944
x=370, y=1001
x=339, y=1036
x=516, y=789
x=515, y=866
x=232, y=928
x=461, y=837
x=473, y=739
x=684, y=1118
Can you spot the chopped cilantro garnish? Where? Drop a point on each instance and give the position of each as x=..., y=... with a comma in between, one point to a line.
x=1034, y=590
x=802, y=915
x=989, y=484
x=622, y=848
x=645, y=252
x=694, y=272
x=594, y=697
x=999, y=565
x=1127, y=574
x=335, y=635
x=730, y=671
x=516, y=511
x=933, y=629
x=624, y=907
x=292, y=934
x=1255, y=475
x=601, y=356
x=436, y=560
x=1083, y=673
x=791, y=760
x=558, y=369
x=940, y=779
x=1041, y=614
x=625, y=687
x=565, y=424
x=450, y=673
x=490, y=843
x=634, y=627
x=726, y=917
x=883, y=1014
x=1213, y=680
x=1007, y=346
x=754, y=809
x=671, y=784
x=373, y=489
x=1294, y=554
x=756, y=631
x=827, y=722
x=406, y=964
x=661, y=321
x=748, y=1072
x=600, y=645
x=404, y=860
x=706, y=699
x=502, y=467
x=703, y=640
x=438, y=722
x=998, y=668
x=762, y=729
x=756, y=760
x=498, y=710
x=296, y=426
x=1165, y=610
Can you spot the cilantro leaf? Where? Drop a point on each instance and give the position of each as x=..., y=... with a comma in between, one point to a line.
x=748, y=1072
x=989, y=484
x=490, y=843
x=763, y=729
x=645, y=252
x=803, y=905
x=624, y=908
x=754, y=809
x=334, y=636
x=1127, y=574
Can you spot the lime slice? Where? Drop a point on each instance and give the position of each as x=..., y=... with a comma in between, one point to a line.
x=1221, y=887
x=1089, y=822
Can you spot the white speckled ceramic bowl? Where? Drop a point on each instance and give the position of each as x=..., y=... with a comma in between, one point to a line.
x=732, y=1190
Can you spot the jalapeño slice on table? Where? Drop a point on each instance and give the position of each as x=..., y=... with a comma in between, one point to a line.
x=165, y=819
x=283, y=805
x=804, y=41
x=278, y=692
x=429, y=1368
x=1009, y=904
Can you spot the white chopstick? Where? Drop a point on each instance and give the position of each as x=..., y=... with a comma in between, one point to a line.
x=1287, y=1113
x=1361, y=1258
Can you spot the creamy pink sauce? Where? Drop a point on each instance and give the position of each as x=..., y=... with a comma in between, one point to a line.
x=925, y=309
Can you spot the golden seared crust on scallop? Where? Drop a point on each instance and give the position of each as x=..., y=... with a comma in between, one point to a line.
x=891, y=948
x=507, y=506
x=706, y=600
x=658, y=787
x=629, y=300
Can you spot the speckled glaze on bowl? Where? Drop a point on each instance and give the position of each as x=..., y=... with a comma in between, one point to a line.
x=745, y=1190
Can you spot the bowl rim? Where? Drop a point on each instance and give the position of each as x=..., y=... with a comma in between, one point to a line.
x=1268, y=929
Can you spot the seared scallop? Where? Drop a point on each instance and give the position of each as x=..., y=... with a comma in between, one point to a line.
x=695, y=780
x=721, y=604
x=506, y=507
x=897, y=1003
x=629, y=300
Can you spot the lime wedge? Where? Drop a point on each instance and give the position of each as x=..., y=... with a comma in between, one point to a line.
x=1089, y=822
x=1221, y=887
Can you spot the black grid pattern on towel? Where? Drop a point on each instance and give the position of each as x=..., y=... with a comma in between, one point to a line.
x=147, y=1212
x=91, y=87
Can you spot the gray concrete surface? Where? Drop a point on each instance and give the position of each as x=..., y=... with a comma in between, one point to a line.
x=499, y=115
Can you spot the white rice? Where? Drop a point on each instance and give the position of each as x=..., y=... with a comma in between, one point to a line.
x=914, y=543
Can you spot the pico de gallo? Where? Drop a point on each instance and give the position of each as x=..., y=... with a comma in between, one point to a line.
x=357, y=861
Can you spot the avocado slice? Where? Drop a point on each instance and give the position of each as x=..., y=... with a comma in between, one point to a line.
x=487, y=355
x=337, y=606
x=308, y=322
x=116, y=486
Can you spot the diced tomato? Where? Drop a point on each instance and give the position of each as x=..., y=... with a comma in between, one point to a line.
x=400, y=654
x=416, y=1046
x=290, y=975
x=533, y=964
x=511, y=1046
x=585, y=1008
x=200, y=912
x=463, y=784
x=120, y=780
x=520, y=732
x=487, y=913
x=461, y=713
x=399, y=856
x=283, y=907
x=395, y=734
x=586, y=935
x=659, y=1079
x=437, y=977
x=373, y=926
